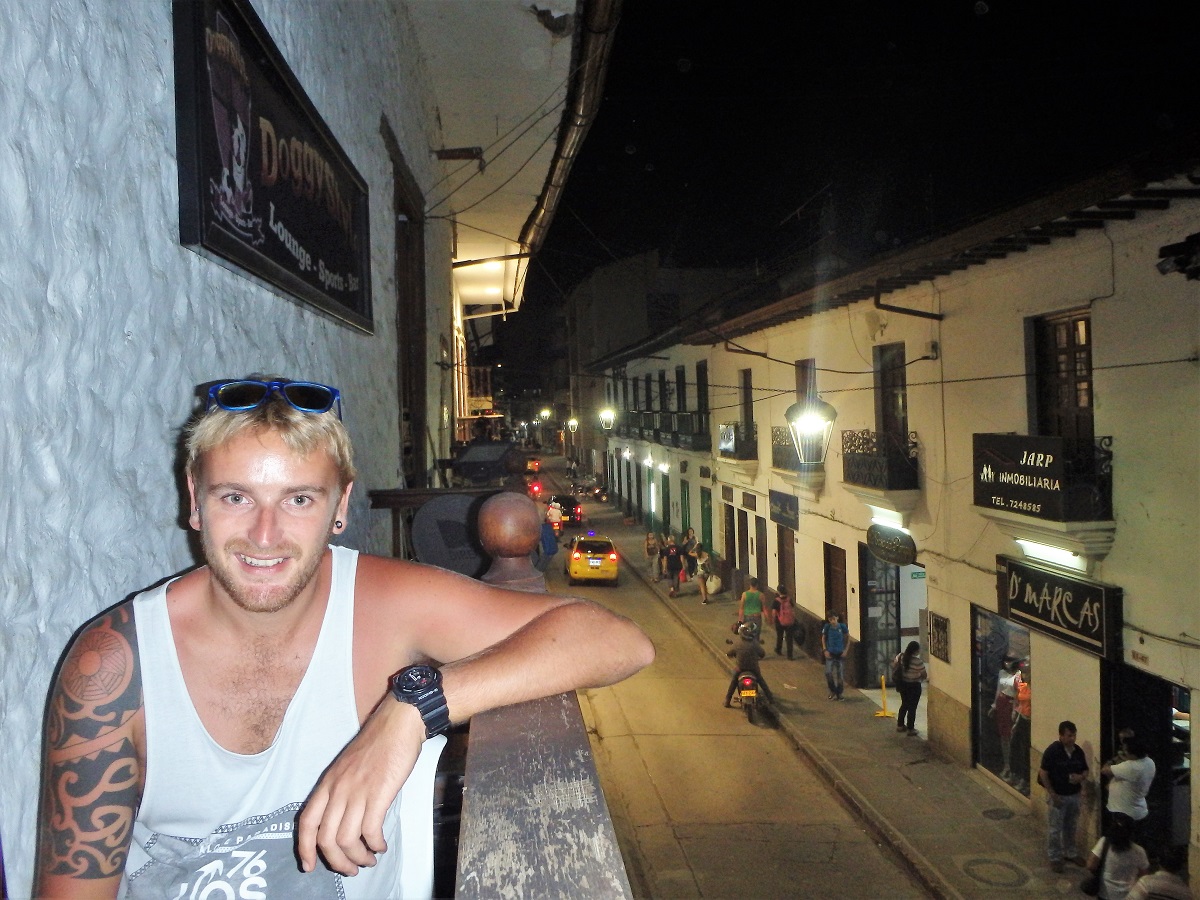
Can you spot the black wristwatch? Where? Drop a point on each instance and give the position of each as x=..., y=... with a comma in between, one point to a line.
x=421, y=686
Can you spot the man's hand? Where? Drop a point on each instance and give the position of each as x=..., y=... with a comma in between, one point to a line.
x=343, y=818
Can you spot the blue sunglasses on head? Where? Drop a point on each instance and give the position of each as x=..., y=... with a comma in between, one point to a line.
x=305, y=396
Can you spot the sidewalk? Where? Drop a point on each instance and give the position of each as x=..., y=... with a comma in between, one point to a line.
x=963, y=834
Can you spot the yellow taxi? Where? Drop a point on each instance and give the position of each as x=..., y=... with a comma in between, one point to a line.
x=591, y=558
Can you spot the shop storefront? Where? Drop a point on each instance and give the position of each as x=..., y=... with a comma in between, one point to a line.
x=1081, y=616
x=1003, y=706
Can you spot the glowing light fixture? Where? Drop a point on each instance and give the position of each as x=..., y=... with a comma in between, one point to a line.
x=811, y=426
x=607, y=418
x=572, y=425
x=1055, y=555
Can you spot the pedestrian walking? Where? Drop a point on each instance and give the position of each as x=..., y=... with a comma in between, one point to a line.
x=834, y=638
x=911, y=671
x=1063, y=770
x=673, y=565
x=653, y=549
x=783, y=617
x=688, y=548
x=750, y=605
x=703, y=572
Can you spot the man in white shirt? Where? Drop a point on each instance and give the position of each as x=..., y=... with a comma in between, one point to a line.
x=1131, y=779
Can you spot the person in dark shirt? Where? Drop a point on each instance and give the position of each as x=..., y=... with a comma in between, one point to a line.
x=673, y=564
x=747, y=651
x=1064, y=769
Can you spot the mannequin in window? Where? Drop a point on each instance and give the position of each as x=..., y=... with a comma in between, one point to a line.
x=1003, y=710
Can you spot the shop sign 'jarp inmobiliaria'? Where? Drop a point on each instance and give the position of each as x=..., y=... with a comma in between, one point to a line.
x=1086, y=614
x=1022, y=474
x=264, y=187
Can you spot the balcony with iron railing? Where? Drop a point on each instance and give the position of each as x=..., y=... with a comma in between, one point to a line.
x=685, y=430
x=807, y=478
x=880, y=460
x=738, y=441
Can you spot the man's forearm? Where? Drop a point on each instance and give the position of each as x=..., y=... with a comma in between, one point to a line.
x=575, y=645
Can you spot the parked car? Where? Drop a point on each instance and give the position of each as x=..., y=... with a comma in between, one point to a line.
x=572, y=510
x=591, y=558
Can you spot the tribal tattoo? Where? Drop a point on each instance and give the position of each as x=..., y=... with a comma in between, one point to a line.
x=92, y=776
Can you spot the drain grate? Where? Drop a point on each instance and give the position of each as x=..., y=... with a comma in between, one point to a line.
x=998, y=814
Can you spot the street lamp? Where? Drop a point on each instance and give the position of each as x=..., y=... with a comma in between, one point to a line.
x=607, y=418
x=572, y=425
x=811, y=425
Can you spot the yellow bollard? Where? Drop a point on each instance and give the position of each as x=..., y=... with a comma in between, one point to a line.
x=883, y=713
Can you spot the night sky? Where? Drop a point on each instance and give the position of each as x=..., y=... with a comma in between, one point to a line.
x=735, y=134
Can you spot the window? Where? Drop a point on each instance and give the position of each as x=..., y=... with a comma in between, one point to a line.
x=1062, y=391
x=663, y=395
x=681, y=388
x=891, y=394
x=702, y=396
x=746, y=395
x=806, y=379
x=636, y=402
x=647, y=383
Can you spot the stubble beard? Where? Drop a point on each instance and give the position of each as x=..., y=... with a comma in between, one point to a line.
x=266, y=598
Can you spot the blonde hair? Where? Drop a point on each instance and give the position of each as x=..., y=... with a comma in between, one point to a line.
x=302, y=432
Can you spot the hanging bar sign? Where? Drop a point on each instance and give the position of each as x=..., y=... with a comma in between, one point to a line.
x=264, y=187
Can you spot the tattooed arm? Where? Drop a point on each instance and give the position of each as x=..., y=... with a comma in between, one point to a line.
x=92, y=771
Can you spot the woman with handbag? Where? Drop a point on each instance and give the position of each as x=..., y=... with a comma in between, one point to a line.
x=910, y=672
x=1116, y=862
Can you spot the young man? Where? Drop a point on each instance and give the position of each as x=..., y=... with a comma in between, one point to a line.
x=189, y=725
x=1063, y=770
x=834, y=636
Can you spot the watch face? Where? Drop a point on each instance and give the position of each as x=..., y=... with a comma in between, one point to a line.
x=416, y=678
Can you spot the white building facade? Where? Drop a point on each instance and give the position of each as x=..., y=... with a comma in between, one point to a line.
x=1013, y=476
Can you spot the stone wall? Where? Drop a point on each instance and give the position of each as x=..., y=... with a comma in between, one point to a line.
x=109, y=324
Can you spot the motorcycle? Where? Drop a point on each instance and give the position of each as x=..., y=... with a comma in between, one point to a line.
x=747, y=694
x=747, y=691
x=600, y=492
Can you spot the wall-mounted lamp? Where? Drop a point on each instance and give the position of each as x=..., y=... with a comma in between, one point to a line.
x=544, y=414
x=1055, y=555
x=607, y=418
x=664, y=467
x=572, y=425
x=648, y=462
x=811, y=425
x=626, y=453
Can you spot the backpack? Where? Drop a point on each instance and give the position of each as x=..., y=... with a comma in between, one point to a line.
x=897, y=670
x=787, y=613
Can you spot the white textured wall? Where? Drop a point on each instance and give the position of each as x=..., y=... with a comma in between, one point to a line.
x=108, y=323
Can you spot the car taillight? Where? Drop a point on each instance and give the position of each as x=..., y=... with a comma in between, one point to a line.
x=613, y=557
x=578, y=511
x=576, y=555
x=747, y=681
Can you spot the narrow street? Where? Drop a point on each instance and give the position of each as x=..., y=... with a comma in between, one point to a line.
x=705, y=804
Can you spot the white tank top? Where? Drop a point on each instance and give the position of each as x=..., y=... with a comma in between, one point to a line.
x=217, y=824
